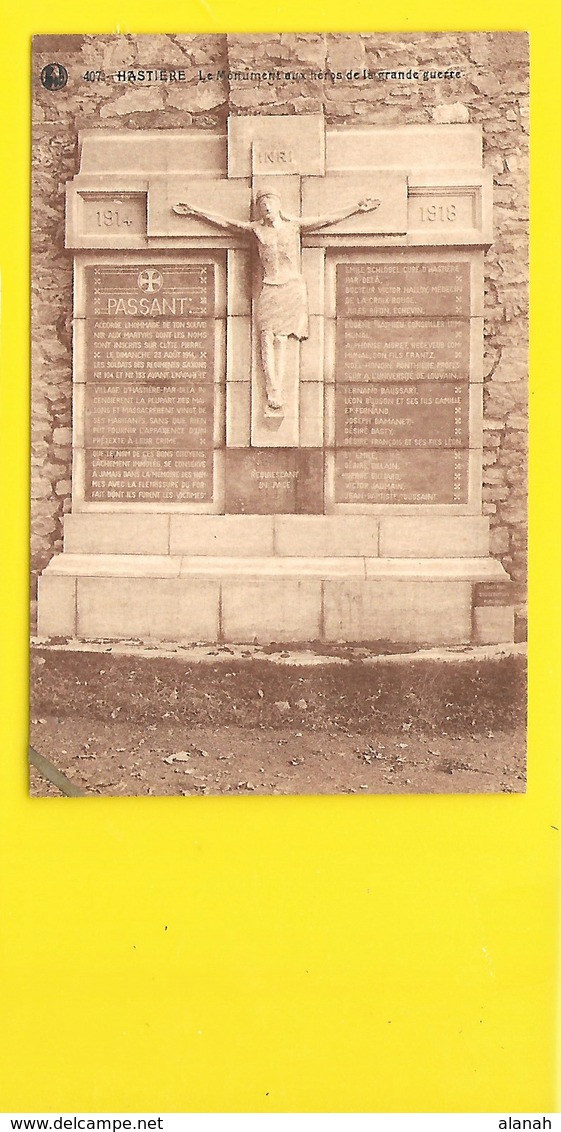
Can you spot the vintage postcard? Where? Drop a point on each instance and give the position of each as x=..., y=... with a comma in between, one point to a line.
x=279, y=337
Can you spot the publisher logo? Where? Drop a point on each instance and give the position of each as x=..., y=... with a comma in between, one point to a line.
x=54, y=76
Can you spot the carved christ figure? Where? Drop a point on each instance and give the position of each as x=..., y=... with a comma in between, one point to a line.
x=281, y=311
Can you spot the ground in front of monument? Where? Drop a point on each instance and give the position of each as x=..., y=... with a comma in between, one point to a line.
x=125, y=721
x=280, y=367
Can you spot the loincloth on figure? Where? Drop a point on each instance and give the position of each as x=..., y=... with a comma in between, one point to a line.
x=283, y=308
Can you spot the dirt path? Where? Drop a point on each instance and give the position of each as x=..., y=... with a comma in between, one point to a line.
x=136, y=725
x=119, y=759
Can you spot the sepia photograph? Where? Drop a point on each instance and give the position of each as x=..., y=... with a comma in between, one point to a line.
x=279, y=414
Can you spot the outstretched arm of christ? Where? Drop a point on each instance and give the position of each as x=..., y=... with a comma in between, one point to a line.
x=310, y=222
x=182, y=209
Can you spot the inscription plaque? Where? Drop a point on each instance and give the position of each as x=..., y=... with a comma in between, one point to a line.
x=416, y=415
x=138, y=475
x=274, y=481
x=390, y=349
x=178, y=416
x=141, y=290
x=400, y=290
x=142, y=349
x=149, y=404
x=402, y=369
x=400, y=477
x=493, y=593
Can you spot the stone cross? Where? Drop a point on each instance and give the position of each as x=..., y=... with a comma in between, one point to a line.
x=277, y=200
x=281, y=310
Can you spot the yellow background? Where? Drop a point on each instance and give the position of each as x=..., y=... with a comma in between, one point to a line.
x=359, y=954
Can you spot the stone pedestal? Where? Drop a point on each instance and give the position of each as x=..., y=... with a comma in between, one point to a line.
x=353, y=513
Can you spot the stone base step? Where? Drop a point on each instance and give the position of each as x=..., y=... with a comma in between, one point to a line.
x=389, y=536
x=432, y=601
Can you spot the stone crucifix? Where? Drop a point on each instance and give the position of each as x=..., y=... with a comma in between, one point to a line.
x=281, y=310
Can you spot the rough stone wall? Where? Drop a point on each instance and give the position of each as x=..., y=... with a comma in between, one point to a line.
x=57, y=118
x=493, y=90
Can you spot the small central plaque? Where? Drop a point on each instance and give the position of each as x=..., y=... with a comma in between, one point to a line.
x=274, y=481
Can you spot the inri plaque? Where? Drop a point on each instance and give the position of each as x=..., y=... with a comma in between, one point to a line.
x=149, y=406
